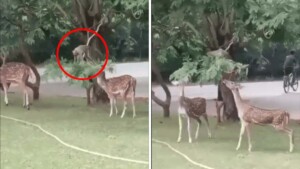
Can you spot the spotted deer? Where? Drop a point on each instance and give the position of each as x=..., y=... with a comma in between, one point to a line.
x=17, y=73
x=249, y=114
x=123, y=86
x=191, y=108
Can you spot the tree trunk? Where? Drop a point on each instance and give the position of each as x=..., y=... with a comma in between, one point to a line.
x=220, y=37
x=98, y=94
x=24, y=51
x=225, y=95
x=166, y=110
x=88, y=94
x=166, y=103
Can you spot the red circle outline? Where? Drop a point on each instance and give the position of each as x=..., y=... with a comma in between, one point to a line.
x=78, y=30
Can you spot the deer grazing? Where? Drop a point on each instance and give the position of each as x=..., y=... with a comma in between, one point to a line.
x=118, y=86
x=191, y=108
x=249, y=114
x=17, y=73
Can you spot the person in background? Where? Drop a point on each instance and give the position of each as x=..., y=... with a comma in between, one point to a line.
x=290, y=64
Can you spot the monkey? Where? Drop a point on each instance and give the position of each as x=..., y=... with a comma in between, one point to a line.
x=81, y=52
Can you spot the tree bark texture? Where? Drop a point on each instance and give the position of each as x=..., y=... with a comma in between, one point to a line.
x=165, y=104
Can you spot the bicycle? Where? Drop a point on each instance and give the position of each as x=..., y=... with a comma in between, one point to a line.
x=287, y=82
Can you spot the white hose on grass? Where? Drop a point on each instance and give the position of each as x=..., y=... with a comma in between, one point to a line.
x=72, y=146
x=183, y=155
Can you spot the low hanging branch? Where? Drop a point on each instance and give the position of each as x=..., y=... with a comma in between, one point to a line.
x=213, y=33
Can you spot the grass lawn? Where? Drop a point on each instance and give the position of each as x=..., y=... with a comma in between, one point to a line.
x=24, y=147
x=269, y=151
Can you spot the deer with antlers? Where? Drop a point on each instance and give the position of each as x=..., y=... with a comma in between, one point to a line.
x=17, y=73
x=123, y=86
x=191, y=108
x=249, y=114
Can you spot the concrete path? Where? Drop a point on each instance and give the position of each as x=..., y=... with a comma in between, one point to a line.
x=60, y=87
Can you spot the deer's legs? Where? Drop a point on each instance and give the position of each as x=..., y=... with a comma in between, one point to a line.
x=189, y=129
x=27, y=99
x=124, y=108
x=198, y=126
x=25, y=92
x=241, y=135
x=249, y=137
x=180, y=128
x=290, y=134
x=5, y=87
x=115, y=105
x=111, y=101
x=207, y=125
x=133, y=104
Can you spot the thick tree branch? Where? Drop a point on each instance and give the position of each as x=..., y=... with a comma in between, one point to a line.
x=213, y=32
x=63, y=12
x=81, y=14
x=231, y=20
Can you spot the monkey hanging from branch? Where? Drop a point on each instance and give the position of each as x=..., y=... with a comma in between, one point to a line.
x=83, y=52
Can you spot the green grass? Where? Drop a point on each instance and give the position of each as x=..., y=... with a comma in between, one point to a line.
x=270, y=148
x=70, y=119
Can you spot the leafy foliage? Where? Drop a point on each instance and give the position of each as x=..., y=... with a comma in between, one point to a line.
x=207, y=69
x=188, y=29
x=45, y=21
x=33, y=18
x=78, y=69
